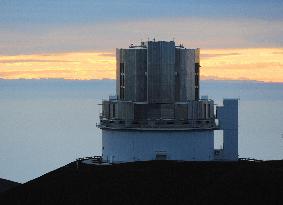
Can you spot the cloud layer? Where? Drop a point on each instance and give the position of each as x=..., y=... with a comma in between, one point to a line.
x=193, y=32
x=262, y=64
x=77, y=39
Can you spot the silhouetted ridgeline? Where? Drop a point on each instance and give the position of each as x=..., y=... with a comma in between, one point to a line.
x=7, y=184
x=155, y=182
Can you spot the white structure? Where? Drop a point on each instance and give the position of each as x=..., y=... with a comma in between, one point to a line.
x=157, y=113
x=134, y=145
x=228, y=122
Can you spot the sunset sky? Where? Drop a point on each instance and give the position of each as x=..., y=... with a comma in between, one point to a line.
x=77, y=39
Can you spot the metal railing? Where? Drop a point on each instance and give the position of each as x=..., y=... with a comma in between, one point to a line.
x=158, y=123
x=250, y=159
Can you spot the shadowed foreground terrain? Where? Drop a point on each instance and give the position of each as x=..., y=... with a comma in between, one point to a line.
x=7, y=184
x=155, y=182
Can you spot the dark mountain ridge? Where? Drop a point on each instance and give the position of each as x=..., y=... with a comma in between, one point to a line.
x=155, y=182
x=7, y=184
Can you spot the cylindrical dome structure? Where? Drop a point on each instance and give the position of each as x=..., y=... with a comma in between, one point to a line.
x=157, y=113
x=143, y=145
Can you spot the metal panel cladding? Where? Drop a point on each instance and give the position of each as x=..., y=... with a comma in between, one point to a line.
x=131, y=74
x=161, y=71
x=185, y=75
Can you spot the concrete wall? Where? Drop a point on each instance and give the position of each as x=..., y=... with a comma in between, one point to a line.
x=228, y=121
x=144, y=145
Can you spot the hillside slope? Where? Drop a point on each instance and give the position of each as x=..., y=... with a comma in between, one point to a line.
x=155, y=182
x=7, y=184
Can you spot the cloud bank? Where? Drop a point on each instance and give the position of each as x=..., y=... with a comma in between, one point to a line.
x=261, y=64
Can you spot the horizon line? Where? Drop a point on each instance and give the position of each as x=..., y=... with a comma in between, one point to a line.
x=112, y=79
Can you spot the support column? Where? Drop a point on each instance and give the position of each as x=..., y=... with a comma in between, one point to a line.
x=228, y=122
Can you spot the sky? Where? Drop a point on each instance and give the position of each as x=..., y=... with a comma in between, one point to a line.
x=73, y=39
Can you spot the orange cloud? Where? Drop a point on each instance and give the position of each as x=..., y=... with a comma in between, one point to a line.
x=80, y=65
x=262, y=64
